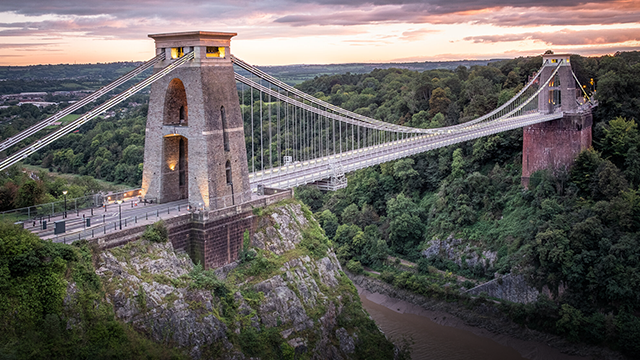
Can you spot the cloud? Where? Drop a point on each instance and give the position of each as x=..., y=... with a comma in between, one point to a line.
x=22, y=45
x=416, y=34
x=565, y=37
x=354, y=22
x=335, y=12
x=501, y=13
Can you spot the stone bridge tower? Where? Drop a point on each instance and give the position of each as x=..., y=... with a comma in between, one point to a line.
x=555, y=144
x=194, y=143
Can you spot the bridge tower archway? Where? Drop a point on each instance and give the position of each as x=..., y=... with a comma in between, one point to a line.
x=176, y=107
x=175, y=153
x=194, y=114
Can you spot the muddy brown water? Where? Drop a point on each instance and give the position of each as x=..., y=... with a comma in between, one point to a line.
x=438, y=335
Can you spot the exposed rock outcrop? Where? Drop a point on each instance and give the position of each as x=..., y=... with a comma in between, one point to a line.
x=282, y=286
x=455, y=250
x=147, y=284
x=508, y=287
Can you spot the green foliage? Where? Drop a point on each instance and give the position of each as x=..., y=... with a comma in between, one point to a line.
x=157, y=232
x=34, y=323
x=206, y=279
x=266, y=343
x=315, y=241
x=355, y=267
x=329, y=223
x=457, y=165
x=262, y=265
x=405, y=226
x=245, y=253
x=573, y=227
x=108, y=149
x=309, y=195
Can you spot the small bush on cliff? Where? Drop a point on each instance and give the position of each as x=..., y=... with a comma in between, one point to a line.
x=245, y=254
x=355, y=267
x=206, y=279
x=156, y=232
x=267, y=344
x=314, y=240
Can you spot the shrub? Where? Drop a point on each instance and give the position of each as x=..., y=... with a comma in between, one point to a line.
x=156, y=232
x=355, y=267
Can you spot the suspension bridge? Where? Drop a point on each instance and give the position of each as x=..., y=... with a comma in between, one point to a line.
x=220, y=131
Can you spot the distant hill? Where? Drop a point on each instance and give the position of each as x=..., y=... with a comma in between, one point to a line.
x=15, y=79
x=295, y=74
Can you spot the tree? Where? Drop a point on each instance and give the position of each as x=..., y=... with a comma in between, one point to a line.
x=457, y=165
x=584, y=169
x=375, y=250
x=351, y=215
x=608, y=181
x=30, y=193
x=619, y=136
x=405, y=226
x=329, y=222
x=632, y=166
x=439, y=102
x=311, y=196
x=405, y=173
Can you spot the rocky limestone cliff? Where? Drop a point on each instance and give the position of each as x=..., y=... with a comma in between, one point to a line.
x=286, y=298
x=457, y=251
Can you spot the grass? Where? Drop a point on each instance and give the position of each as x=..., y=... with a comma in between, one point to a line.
x=106, y=185
x=64, y=121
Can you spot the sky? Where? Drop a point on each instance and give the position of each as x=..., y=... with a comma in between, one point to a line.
x=281, y=32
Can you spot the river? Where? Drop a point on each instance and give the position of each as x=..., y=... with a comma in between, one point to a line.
x=438, y=335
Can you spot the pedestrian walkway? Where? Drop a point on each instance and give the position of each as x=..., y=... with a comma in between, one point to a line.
x=95, y=222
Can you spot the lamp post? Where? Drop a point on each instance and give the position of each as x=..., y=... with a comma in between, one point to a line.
x=64, y=192
x=120, y=213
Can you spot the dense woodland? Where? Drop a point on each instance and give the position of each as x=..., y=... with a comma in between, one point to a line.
x=110, y=149
x=576, y=230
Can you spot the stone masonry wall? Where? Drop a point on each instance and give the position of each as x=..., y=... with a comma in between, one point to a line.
x=216, y=243
x=554, y=144
x=213, y=239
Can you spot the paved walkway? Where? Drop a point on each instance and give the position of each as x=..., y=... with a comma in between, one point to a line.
x=106, y=219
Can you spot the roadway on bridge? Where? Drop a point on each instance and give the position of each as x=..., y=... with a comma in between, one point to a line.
x=309, y=171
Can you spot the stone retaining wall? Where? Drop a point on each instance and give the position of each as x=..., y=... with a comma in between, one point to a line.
x=509, y=287
x=211, y=238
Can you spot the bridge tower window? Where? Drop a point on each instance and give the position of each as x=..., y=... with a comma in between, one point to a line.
x=182, y=114
x=225, y=129
x=215, y=52
x=177, y=52
x=228, y=170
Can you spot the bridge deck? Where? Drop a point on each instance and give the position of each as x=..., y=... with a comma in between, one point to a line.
x=305, y=172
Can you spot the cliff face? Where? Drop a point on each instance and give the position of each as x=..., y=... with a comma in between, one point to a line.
x=286, y=298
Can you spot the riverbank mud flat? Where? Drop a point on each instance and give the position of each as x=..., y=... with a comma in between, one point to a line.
x=433, y=323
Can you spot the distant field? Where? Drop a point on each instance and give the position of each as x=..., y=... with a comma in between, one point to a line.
x=69, y=118
x=65, y=120
x=105, y=184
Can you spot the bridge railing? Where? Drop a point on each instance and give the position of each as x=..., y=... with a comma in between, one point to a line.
x=48, y=210
x=103, y=226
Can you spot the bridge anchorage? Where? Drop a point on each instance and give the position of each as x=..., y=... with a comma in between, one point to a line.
x=226, y=137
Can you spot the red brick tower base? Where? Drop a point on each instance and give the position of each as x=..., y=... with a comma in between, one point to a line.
x=554, y=144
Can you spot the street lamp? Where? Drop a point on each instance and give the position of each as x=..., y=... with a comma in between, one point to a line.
x=65, y=203
x=120, y=213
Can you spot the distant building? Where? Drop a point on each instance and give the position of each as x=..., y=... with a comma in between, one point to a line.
x=39, y=104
